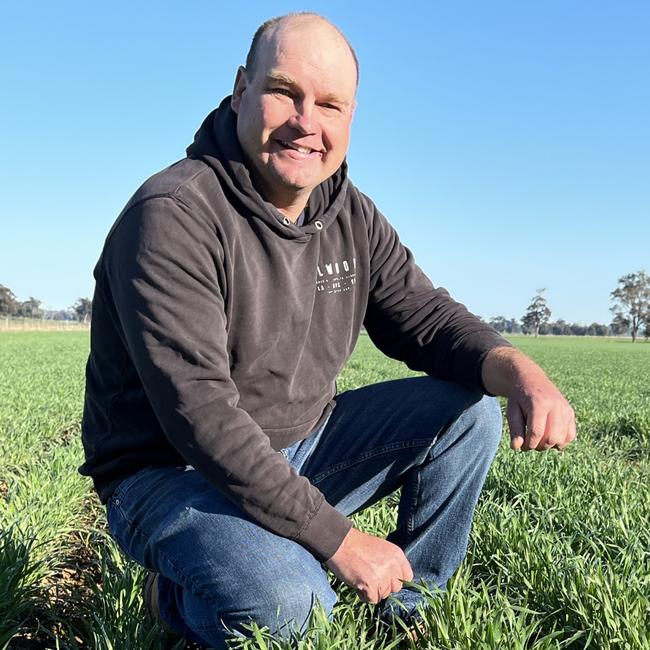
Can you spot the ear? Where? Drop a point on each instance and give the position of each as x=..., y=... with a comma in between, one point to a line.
x=353, y=110
x=241, y=82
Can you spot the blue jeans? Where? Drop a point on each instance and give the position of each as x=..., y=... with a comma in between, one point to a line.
x=219, y=569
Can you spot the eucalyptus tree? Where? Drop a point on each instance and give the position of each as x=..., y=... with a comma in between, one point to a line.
x=537, y=313
x=632, y=301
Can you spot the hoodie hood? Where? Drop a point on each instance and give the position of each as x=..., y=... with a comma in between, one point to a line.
x=216, y=144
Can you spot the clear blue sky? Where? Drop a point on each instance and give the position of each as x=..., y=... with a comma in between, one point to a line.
x=508, y=142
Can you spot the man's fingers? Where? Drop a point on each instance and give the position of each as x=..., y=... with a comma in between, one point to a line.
x=397, y=581
x=560, y=429
x=516, y=423
x=536, y=431
x=368, y=595
x=568, y=432
x=556, y=432
x=553, y=429
x=372, y=566
x=572, y=434
x=396, y=585
x=384, y=590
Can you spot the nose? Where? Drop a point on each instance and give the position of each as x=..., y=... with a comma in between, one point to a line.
x=303, y=117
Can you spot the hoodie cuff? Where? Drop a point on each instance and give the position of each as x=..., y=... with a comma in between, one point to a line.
x=324, y=532
x=468, y=357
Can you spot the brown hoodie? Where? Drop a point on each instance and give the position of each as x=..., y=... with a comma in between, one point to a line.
x=219, y=329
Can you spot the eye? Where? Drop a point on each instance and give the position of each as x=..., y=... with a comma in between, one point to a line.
x=280, y=91
x=332, y=107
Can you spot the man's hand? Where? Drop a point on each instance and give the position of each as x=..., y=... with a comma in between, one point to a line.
x=372, y=566
x=538, y=414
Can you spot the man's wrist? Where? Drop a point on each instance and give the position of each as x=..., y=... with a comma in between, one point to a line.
x=503, y=368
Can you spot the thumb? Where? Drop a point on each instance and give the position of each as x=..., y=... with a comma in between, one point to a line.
x=516, y=423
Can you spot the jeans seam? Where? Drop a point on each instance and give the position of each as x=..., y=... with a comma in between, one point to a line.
x=193, y=587
x=114, y=537
x=124, y=485
x=184, y=576
x=146, y=537
x=373, y=453
x=410, y=520
x=117, y=506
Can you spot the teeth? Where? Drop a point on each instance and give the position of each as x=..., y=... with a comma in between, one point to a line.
x=304, y=150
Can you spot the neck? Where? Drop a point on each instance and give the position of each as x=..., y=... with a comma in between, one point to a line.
x=289, y=204
x=291, y=210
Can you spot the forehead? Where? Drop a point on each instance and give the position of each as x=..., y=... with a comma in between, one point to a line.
x=309, y=52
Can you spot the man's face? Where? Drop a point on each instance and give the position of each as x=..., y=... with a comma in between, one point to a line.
x=294, y=113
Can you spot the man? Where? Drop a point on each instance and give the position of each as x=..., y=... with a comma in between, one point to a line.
x=230, y=293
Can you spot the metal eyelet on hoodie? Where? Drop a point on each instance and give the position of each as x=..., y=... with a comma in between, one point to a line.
x=318, y=224
x=286, y=221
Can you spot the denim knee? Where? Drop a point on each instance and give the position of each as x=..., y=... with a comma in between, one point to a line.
x=488, y=422
x=289, y=606
x=286, y=605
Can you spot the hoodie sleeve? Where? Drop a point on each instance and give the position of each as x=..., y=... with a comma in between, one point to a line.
x=162, y=268
x=411, y=320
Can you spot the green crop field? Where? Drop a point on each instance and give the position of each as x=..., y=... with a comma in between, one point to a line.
x=559, y=555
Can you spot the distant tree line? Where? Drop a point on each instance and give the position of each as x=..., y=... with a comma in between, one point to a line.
x=631, y=314
x=558, y=328
x=11, y=307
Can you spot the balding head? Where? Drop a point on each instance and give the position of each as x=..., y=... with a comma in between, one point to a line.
x=269, y=29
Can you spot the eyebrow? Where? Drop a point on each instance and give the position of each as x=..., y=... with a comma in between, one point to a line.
x=282, y=78
x=279, y=77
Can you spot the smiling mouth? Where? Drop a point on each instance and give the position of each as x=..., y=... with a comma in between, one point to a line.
x=303, y=150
